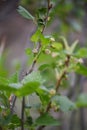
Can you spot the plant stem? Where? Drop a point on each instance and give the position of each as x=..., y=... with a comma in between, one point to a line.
x=13, y=104
x=60, y=79
x=34, y=63
x=63, y=73
x=22, y=114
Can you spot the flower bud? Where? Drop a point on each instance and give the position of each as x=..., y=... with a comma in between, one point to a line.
x=47, y=51
x=52, y=92
x=80, y=60
x=52, y=39
x=54, y=54
x=35, y=51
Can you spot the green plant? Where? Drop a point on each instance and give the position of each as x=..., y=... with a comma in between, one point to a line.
x=51, y=60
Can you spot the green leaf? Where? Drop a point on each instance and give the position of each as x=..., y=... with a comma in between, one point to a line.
x=30, y=84
x=57, y=46
x=36, y=36
x=81, y=53
x=44, y=40
x=43, y=95
x=14, y=78
x=27, y=88
x=81, y=69
x=25, y=13
x=7, y=120
x=81, y=101
x=15, y=85
x=65, y=43
x=15, y=120
x=44, y=66
x=4, y=81
x=64, y=103
x=33, y=77
x=47, y=120
x=7, y=88
x=9, y=85
x=42, y=11
x=73, y=47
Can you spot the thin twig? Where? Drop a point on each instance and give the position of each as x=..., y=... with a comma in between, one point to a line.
x=60, y=79
x=12, y=104
x=39, y=44
x=22, y=114
x=49, y=6
x=63, y=73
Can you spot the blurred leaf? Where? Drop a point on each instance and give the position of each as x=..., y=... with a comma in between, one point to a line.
x=15, y=85
x=43, y=95
x=6, y=120
x=73, y=46
x=15, y=120
x=4, y=81
x=81, y=69
x=14, y=78
x=57, y=46
x=65, y=43
x=7, y=88
x=4, y=99
x=25, y=13
x=64, y=103
x=9, y=85
x=81, y=101
x=81, y=53
x=42, y=12
x=28, y=88
x=36, y=36
x=45, y=40
x=29, y=120
x=48, y=120
x=43, y=66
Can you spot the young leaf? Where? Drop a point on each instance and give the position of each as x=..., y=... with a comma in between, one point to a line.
x=64, y=103
x=72, y=48
x=65, y=43
x=48, y=120
x=36, y=36
x=25, y=13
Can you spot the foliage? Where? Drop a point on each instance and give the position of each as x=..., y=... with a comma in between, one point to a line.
x=52, y=60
